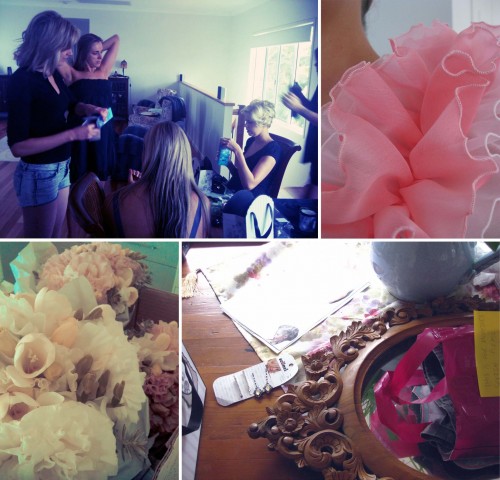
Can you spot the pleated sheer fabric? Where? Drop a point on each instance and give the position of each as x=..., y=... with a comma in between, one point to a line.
x=411, y=142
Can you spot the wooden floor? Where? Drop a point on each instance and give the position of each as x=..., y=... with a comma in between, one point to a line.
x=11, y=218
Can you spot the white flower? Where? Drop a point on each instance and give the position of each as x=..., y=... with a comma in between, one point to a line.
x=34, y=353
x=68, y=441
x=7, y=343
x=105, y=341
x=17, y=404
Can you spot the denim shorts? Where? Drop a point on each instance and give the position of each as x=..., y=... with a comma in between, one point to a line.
x=39, y=184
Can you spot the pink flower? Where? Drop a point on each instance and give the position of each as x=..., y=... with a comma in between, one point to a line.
x=163, y=394
x=410, y=143
x=171, y=329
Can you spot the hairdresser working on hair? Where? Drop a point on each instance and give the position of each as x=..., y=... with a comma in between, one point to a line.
x=37, y=131
x=299, y=104
x=253, y=168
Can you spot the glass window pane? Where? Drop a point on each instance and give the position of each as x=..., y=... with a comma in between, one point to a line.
x=274, y=69
x=271, y=75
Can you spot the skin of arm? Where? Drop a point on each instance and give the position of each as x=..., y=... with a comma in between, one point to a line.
x=110, y=46
x=32, y=146
x=249, y=179
x=291, y=101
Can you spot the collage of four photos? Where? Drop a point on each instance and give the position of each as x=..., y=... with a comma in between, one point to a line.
x=256, y=239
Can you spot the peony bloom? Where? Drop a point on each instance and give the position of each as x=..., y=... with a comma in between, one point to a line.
x=113, y=272
x=161, y=346
x=411, y=144
x=78, y=443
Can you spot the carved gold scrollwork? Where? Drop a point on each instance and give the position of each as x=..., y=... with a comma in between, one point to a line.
x=314, y=393
x=306, y=424
x=346, y=345
x=331, y=450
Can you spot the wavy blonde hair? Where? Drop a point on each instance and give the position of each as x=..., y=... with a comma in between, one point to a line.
x=47, y=35
x=260, y=111
x=168, y=177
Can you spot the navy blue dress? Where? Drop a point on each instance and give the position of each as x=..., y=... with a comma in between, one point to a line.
x=272, y=149
x=97, y=157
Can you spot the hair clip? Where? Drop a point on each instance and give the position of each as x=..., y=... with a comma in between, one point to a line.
x=238, y=386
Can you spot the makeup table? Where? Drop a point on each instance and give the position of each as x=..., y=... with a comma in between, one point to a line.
x=217, y=348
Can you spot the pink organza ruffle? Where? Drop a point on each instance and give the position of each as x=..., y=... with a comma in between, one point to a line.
x=411, y=143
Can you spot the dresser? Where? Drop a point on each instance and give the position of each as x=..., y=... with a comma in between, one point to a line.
x=120, y=92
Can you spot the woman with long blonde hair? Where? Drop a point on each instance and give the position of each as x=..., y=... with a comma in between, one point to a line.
x=38, y=131
x=164, y=202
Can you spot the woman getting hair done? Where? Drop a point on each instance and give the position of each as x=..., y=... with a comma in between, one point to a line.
x=165, y=201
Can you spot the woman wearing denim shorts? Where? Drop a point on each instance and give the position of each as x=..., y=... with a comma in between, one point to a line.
x=37, y=131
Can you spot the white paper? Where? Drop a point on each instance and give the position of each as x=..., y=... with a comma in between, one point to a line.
x=242, y=385
x=302, y=286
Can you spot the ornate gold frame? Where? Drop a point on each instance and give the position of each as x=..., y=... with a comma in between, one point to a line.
x=320, y=423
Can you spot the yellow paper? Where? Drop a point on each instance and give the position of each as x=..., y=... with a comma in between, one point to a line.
x=487, y=352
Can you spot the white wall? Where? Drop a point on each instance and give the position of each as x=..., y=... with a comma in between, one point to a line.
x=391, y=18
x=157, y=46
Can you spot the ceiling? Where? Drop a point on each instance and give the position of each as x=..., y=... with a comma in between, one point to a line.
x=189, y=7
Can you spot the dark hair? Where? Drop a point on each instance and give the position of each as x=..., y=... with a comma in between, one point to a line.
x=365, y=6
x=83, y=48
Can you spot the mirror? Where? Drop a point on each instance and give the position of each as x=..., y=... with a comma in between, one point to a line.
x=320, y=423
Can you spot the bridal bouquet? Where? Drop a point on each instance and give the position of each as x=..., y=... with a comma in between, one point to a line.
x=114, y=272
x=71, y=392
x=158, y=352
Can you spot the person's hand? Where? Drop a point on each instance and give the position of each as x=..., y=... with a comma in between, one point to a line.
x=230, y=143
x=86, y=132
x=133, y=175
x=103, y=112
x=291, y=101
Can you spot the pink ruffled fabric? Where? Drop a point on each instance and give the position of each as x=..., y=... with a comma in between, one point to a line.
x=411, y=143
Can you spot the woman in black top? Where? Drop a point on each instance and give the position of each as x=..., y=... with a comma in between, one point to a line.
x=89, y=83
x=254, y=167
x=38, y=104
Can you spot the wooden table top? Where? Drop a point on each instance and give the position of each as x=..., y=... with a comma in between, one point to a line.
x=217, y=348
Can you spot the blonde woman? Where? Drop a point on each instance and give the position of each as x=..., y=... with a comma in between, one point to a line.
x=164, y=202
x=37, y=130
x=253, y=167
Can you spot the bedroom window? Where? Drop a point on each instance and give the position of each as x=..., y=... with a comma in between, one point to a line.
x=274, y=68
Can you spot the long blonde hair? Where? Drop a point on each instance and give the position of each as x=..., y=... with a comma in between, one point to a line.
x=168, y=177
x=47, y=35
